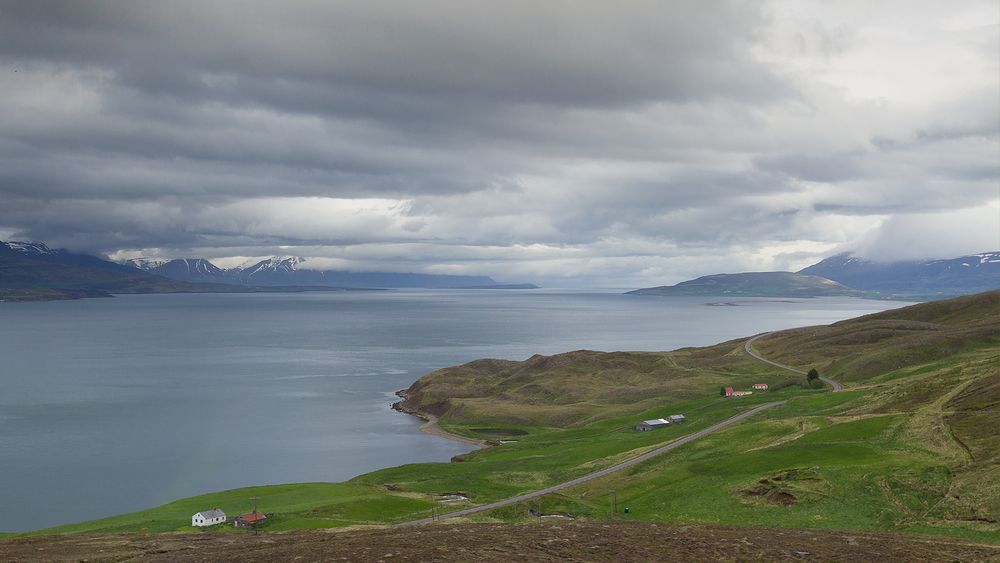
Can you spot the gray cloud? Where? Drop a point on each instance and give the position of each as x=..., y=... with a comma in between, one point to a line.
x=567, y=142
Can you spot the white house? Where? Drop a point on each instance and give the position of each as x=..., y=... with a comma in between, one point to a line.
x=208, y=517
x=647, y=425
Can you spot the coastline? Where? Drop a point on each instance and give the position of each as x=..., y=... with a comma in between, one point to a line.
x=431, y=426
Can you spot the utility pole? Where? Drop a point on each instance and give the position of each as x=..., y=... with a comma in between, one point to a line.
x=254, y=500
x=614, y=504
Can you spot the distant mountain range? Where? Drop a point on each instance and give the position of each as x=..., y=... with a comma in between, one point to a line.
x=955, y=276
x=289, y=271
x=844, y=274
x=31, y=271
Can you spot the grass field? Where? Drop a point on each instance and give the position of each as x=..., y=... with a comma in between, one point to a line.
x=911, y=445
x=296, y=506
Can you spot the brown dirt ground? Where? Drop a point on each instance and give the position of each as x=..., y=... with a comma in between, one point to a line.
x=548, y=541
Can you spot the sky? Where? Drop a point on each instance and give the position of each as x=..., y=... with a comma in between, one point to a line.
x=603, y=144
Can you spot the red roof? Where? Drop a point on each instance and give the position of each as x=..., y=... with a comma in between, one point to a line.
x=253, y=517
x=729, y=390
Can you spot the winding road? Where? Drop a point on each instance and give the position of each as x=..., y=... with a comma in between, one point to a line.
x=602, y=473
x=749, y=348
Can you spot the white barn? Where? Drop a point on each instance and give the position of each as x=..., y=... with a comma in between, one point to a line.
x=208, y=517
x=647, y=425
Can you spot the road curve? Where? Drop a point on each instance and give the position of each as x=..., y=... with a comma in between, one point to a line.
x=749, y=348
x=602, y=473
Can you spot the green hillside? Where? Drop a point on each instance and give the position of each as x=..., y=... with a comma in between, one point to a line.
x=753, y=284
x=910, y=445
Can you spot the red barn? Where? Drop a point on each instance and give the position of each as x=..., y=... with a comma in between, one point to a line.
x=729, y=392
x=251, y=520
x=760, y=386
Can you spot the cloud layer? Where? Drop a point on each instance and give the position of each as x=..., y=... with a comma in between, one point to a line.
x=568, y=143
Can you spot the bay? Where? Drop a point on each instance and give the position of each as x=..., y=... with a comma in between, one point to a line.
x=114, y=405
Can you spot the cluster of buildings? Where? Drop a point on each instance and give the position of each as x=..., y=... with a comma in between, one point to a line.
x=730, y=392
x=647, y=425
x=217, y=516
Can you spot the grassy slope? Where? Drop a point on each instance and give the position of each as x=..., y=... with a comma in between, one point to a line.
x=910, y=448
x=296, y=506
x=577, y=388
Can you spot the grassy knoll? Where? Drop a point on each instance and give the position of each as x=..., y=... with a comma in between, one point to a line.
x=911, y=445
x=577, y=388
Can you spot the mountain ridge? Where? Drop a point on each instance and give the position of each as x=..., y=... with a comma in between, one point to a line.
x=971, y=273
x=848, y=275
x=32, y=271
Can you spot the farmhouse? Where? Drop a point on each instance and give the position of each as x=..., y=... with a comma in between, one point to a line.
x=729, y=391
x=647, y=425
x=208, y=517
x=251, y=520
x=760, y=386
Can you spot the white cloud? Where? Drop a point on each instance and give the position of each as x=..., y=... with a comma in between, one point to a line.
x=943, y=234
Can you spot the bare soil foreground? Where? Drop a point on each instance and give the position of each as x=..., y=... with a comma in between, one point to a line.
x=541, y=541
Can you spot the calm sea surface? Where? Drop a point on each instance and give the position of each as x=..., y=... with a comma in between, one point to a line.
x=114, y=405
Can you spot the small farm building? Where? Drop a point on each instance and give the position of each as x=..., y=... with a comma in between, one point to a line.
x=676, y=418
x=760, y=386
x=739, y=393
x=208, y=517
x=729, y=391
x=251, y=520
x=647, y=425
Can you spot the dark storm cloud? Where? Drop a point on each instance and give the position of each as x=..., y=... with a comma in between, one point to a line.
x=560, y=53
x=554, y=138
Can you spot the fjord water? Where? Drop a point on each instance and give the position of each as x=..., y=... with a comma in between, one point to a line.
x=114, y=405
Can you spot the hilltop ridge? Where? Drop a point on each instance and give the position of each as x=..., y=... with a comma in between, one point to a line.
x=754, y=284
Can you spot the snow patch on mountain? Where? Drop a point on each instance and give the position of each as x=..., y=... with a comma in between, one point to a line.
x=145, y=264
x=200, y=266
x=29, y=247
x=274, y=264
x=988, y=257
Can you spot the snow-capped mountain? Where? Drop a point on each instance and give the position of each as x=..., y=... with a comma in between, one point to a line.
x=953, y=276
x=196, y=270
x=145, y=264
x=286, y=264
x=29, y=248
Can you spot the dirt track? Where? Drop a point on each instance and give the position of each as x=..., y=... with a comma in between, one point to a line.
x=542, y=541
x=748, y=346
